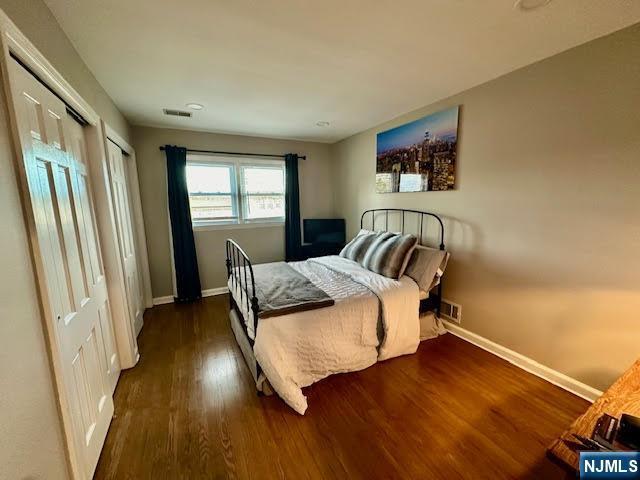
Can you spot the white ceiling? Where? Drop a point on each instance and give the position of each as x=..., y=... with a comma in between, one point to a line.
x=276, y=67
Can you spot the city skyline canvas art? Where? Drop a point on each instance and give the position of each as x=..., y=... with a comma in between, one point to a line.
x=419, y=156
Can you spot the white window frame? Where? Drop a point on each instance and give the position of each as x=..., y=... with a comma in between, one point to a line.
x=239, y=198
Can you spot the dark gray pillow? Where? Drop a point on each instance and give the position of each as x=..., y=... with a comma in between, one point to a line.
x=381, y=252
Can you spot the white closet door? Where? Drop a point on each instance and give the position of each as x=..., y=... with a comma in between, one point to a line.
x=124, y=225
x=89, y=237
x=70, y=267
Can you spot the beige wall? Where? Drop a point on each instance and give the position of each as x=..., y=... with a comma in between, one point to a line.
x=36, y=21
x=262, y=244
x=31, y=442
x=544, y=226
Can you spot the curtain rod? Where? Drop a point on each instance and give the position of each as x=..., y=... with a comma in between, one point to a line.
x=217, y=152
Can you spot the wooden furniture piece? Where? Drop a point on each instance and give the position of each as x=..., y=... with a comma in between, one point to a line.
x=622, y=397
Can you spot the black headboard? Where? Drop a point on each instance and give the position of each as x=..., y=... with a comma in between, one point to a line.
x=402, y=213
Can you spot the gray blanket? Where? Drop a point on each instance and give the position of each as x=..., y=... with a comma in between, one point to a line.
x=281, y=290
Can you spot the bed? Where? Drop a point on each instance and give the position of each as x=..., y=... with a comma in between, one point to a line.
x=371, y=317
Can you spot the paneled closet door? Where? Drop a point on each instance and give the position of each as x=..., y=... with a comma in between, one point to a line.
x=86, y=212
x=124, y=224
x=69, y=265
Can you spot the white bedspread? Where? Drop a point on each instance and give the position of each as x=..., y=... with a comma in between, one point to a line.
x=299, y=349
x=399, y=300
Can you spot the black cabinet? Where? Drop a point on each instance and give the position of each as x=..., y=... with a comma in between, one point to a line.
x=311, y=250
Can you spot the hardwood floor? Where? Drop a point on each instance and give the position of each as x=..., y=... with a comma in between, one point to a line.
x=189, y=410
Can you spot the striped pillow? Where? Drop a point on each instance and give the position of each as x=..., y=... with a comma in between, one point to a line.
x=357, y=248
x=384, y=253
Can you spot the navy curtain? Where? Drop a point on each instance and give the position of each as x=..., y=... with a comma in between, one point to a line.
x=184, y=248
x=292, y=236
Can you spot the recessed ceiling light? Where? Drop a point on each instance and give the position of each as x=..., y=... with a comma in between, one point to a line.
x=529, y=5
x=195, y=106
x=323, y=124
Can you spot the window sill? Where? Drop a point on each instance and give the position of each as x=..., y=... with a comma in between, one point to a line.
x=211, y=226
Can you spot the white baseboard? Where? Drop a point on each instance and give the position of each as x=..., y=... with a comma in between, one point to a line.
x=163, y=300
x=552, y=376
x=210, y=292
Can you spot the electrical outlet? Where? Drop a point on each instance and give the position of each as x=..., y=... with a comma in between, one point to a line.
x=451, y=311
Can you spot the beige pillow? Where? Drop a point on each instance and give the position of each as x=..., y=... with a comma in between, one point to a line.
x=426, y=266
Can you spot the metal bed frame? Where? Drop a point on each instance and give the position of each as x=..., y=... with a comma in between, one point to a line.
x=240, y=270
x=237, y=259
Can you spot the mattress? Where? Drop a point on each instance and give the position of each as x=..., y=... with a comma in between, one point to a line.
x=243, y=303
x=430, y=325
x=335, y=284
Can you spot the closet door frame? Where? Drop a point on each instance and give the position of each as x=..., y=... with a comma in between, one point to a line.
x=14, y=43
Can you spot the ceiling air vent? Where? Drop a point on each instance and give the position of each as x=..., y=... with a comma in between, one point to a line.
x=176, y=113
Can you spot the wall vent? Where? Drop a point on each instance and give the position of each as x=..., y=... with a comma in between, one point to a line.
x=176, y=113
x=451, y=311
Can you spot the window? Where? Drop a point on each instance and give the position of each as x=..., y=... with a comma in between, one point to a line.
x=229, y=191
x=262, y=191
x=211, y=192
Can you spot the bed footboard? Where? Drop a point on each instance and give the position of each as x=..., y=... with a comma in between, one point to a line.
x=240, y=278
